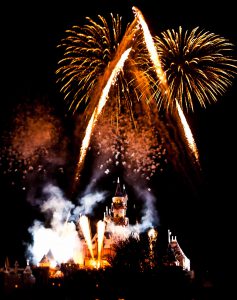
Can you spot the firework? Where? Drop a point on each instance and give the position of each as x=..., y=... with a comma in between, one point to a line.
x=198, y=66
x=187, y=132
x=140, y=150
x=97, y=111
x=88, y=50
x=91, y=52
x=32, y=142
x=170, y=72
x=152, y=51
x=131, y=92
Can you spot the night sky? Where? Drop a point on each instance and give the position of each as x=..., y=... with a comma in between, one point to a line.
x=200, y=209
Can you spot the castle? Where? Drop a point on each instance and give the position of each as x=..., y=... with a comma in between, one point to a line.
x=95, y=254
x=116, y=227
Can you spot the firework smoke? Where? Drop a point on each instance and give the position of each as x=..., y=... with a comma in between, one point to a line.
x=88, y=203
x=138, y=151
x=34, y=146
x=150, y=216
x=59, y=233
x=60, y=237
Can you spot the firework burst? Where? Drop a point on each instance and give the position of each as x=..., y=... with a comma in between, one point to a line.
x=92, y=53
x=139, y=151
x=131, y=85
x=198, y=66
x=173, y=71
x=88, y=50
x=32, y=144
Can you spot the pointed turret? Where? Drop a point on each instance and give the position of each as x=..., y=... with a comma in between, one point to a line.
x=175, y=255
x=119, y=206
x=118, y=192
x=47, y=260
x=117, y=213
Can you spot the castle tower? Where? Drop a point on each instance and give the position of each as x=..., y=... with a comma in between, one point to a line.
x=117, y=213
x=113, y=217
x=119, y=206
x=175, y=255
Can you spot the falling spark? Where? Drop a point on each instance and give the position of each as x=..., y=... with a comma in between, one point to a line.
x=187, y=132
x=162, y=76
x=86, y=71
x=98, y=109
x=85, y=144
x=152, y=50
x=28, y=145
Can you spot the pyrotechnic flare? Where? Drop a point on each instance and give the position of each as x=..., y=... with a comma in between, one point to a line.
x=100, y=233
x=198, y=66
x=102, y=101
x=89, y=52
x=85, y=227
x=152, y=51
x=133, y=85
x=178, y=67
x=100, y=92
x=188, y=132
x=161, y=75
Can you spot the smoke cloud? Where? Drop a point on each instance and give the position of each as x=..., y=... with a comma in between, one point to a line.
x=60, y=237
x=150, y=215
x=88, y=202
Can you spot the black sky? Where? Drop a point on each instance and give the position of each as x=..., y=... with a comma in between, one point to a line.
x=29, y=36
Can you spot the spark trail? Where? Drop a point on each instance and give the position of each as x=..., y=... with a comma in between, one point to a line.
x=187, y=132
x=98, y=109
x=152, y=51
x=85, y=227
x=162, y=77
x=100, y=232
x=101, y=91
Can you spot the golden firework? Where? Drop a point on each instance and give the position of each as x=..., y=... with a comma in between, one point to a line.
x=198, y=66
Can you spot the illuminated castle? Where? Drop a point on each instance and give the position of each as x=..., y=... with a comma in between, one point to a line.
x=116, y=226
x=175, y=255
x=117, y=213
x=99, y=250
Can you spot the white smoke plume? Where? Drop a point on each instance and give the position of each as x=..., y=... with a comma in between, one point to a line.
x=60, y=237
x=56, y=205
x=88, y=203
x=150, y=215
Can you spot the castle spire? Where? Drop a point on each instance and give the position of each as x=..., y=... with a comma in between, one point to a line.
x=118, y=192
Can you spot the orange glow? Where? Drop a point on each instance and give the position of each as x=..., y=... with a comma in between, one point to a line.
x=152, y=50
x=85, y=227
x=100, y=233
x=102, y=101
x=187, y=132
